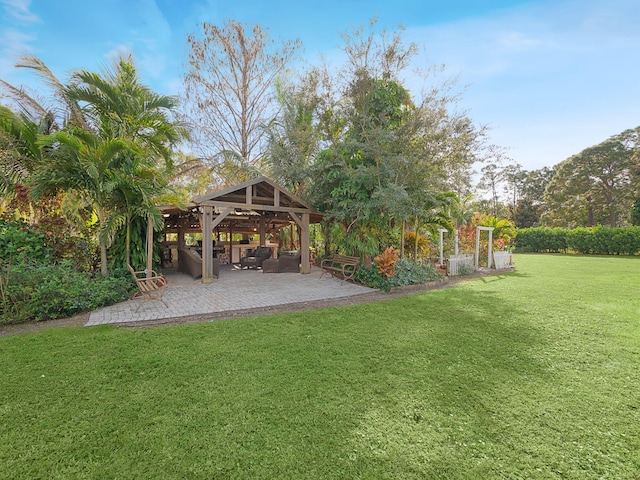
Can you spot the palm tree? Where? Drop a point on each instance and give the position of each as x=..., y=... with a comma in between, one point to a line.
x=114, y=148
x=135, y=189
x=86, y=164
x=66, y=108
x=120, y=107
x=21, y=156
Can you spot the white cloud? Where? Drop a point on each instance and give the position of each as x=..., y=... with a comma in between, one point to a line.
x=117, y=52
x=14, y=43
x=20, y=10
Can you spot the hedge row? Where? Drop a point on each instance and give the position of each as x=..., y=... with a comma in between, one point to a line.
x=593, y=241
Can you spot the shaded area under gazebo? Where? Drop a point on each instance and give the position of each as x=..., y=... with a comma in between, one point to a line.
x=258, y=206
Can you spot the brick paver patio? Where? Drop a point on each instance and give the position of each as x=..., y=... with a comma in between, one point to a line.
x=235, y=290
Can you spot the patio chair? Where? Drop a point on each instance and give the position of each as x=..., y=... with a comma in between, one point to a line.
x=286, y=263
x=150, y=287
x=256, y=258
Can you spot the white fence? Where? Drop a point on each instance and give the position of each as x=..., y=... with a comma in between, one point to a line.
x=460, y=264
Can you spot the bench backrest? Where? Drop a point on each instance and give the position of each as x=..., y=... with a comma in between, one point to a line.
x=345, y=260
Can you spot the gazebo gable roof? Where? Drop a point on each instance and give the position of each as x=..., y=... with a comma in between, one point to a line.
x=259, y=194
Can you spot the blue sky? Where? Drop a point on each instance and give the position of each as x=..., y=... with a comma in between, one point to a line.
x=549, y=78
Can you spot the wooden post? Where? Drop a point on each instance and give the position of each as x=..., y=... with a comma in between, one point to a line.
x=207, y=247
x=442, y=232
x=304, y=245
x=149, y=245
x=181, y=241
x=478, y=230
x=230, y=243
x=303, y=225
x=490, y=249
x=263, y=231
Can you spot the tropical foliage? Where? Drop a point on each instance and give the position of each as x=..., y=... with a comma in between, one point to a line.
x=82, y=172
x=370, y=154
x=389, y=166
x=110, y=150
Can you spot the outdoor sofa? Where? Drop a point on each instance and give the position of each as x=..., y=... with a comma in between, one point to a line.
x=190, y=261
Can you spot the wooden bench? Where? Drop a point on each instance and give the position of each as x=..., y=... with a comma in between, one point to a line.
x=341, y=266
x=150, y=287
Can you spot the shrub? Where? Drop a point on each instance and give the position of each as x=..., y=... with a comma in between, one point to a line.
x=424, y=246
x=580, y=240
x=409, y=273
x=605, y=240
x=34, y=292
x=386, y=261
x=20, y=242
x=406, y=273
x=371, y=277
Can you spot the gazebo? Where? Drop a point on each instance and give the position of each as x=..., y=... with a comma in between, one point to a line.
x=257, y=206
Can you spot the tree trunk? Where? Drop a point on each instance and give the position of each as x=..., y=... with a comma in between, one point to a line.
x=612, y=211
x=415, y=247
x=127, y=243
x=104, y=270
x=326, y=233
x=612, y=216
x=402, y=239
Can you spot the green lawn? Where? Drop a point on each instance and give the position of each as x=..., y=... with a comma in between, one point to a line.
x=530, y=374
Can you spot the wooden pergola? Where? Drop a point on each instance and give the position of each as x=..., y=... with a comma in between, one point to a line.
x=255, y=206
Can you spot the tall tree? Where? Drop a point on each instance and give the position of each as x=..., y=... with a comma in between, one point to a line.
x=514, y=178
x=20, y=127
x=595, y=186
x=490, y=182
x=387, y=155
x=119, y=106
x=294, y=136
x=531, y=204
x=229, y=87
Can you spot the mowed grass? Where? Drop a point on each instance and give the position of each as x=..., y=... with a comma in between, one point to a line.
x=530, y=374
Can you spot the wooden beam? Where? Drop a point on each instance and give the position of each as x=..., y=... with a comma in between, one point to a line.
x=276, y=197
x=222, y=216
x=255, y=199
x=297, y=219
x=249, y=194
x=257, y=208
